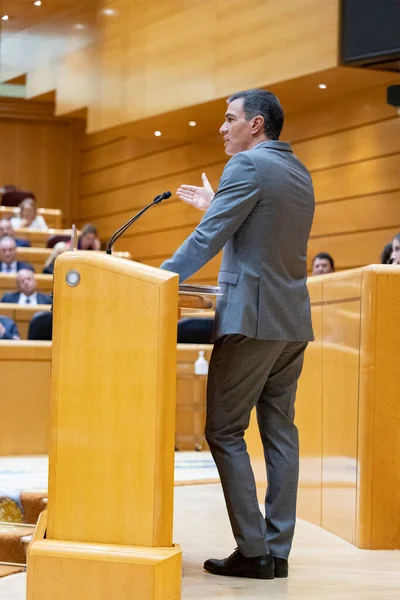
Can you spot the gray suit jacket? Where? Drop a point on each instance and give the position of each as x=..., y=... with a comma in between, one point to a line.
x=261, y=216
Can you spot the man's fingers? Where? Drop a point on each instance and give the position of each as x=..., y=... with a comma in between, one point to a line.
x=187, y=188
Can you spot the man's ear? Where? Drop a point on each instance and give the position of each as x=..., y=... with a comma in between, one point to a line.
x=257, y=124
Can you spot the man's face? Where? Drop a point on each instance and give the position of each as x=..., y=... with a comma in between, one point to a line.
x=8, y=251
x=395, y=252
x=5, y=228
x=26, y=282
x=236, y=130
x=321, y=266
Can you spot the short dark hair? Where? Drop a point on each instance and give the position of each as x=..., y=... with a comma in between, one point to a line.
x=325, y=256
x=264, y=104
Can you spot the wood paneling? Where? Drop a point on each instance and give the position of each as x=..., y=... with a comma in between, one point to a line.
x=139, y=55
x=309, y=419
x=37, y=153
x=25, y=397
x=340, y=374
x=190, y=398
x=137, y=432
x=348, y=411
x=136, y=61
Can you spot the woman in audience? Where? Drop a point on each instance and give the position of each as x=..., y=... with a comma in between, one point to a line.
x=28, y=216
x=89, y=238
x=59, y=248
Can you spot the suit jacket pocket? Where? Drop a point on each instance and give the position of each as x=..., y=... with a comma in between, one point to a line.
x=228, y=277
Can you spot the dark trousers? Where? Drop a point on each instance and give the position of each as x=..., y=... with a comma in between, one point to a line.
x=245, y=372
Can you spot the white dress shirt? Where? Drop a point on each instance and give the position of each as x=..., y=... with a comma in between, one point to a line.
x=38, y=223
x=13, y=267
x=23, y=299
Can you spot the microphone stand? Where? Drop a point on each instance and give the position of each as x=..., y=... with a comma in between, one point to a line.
x=126, y=225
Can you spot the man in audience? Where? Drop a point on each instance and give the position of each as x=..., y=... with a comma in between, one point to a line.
x=26, y=294
x=8, y=257
x=322, y=264
x=395, y=258
x=6, y=230
x=8, y=329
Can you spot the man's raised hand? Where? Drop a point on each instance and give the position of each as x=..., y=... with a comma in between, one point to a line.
x=200, y=197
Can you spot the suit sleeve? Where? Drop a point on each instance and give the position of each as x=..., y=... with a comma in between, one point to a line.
x=14, y=331
x=237, y=195
x=11, y=331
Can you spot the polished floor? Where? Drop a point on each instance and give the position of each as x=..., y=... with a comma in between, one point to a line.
x=323, y=566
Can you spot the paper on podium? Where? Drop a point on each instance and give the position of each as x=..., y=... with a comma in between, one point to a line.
x=203, y=290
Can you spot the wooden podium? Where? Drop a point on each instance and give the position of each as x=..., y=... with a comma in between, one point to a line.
x=107, y=532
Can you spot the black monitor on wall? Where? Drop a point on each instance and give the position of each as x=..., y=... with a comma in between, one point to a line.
x=370, y=33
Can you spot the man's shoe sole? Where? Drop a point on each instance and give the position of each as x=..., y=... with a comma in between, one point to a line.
x=242, y=574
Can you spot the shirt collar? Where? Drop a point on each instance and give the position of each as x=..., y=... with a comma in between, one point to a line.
x=13, y=266
x=275, y=145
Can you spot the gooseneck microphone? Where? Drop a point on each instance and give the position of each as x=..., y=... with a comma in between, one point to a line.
x=126, y=226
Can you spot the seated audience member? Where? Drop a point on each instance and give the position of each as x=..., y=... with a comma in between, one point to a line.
x=8, y=329
x=40, y=327
x=28, y=216
x=59, y=248
x=89, y=240
x=6, y=229
x=8, y=257
x=395, y=257
x=322, y=264
x=26, y=294
x=386, y=256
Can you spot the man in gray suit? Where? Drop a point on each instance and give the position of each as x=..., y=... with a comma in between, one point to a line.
x=261, y=216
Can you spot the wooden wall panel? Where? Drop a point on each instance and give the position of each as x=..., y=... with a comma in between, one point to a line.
x=133, y=197
x=39, y=154
x=351, y=146
x=24, y=423
x=226, y=47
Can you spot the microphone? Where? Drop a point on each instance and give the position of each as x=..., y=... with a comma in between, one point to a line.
x=126, y=225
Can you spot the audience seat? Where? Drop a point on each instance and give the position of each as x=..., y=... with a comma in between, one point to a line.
x=54, y=239
x=195, y=331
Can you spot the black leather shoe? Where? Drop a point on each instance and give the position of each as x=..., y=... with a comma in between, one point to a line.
x=237, y=565
x=281, y=567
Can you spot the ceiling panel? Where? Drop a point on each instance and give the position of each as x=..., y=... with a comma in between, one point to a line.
x=24, y=14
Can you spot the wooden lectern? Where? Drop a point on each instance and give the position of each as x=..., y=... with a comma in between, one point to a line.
x=107, y=532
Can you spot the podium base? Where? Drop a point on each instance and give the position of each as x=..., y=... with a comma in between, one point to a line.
x=78, y=571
